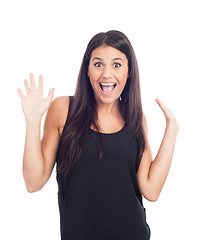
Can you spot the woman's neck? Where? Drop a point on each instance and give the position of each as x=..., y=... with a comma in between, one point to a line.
x=108, y=109
x=109, y=117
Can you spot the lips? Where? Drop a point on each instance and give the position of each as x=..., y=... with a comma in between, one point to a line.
x=107, y=88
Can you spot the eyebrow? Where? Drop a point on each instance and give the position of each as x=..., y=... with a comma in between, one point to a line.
x=118, y=59
x=100, y=59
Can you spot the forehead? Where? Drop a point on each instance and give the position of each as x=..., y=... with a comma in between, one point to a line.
x=108, y=53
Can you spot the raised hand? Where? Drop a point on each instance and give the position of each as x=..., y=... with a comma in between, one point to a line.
x=33, y=104
x=170, y=118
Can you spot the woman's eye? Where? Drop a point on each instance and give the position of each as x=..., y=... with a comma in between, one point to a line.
x=98, y=64
x=117, y=65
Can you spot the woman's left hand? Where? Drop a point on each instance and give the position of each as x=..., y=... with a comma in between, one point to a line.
x=170, y=118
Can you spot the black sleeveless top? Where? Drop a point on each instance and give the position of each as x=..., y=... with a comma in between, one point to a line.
x=99, y=199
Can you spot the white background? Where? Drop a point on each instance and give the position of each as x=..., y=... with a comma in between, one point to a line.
x=49, y=38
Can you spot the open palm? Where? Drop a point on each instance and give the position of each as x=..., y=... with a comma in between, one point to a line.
x=33, y=104
x=170, y=118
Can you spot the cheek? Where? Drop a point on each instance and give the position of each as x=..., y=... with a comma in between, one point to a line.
x=126, y=76
x=123, y=78
x=94, y=76
x=92, y=79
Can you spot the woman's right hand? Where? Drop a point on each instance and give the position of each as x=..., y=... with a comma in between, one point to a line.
x=33, y=104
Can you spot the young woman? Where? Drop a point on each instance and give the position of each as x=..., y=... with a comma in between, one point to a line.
x=99, y=140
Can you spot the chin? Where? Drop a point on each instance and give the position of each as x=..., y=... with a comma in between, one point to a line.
x=107, y=100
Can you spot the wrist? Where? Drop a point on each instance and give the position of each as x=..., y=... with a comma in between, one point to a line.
x=33, y=121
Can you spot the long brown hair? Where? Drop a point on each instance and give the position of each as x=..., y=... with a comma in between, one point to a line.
x=83, y=112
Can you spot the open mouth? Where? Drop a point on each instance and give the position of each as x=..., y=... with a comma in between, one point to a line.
x=107, y=88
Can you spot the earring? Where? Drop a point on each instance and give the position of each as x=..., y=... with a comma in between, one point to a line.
x=120, y=98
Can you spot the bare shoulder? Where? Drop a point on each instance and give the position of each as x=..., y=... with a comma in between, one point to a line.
x=57, y=113
x=59, y=103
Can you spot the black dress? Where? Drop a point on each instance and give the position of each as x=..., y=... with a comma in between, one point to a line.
x=100, y=199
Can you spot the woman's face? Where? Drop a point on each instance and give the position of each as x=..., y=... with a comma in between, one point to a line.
x=108, y=73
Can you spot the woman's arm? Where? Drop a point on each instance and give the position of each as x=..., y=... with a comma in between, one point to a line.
x=152, y=174
x=39, y=156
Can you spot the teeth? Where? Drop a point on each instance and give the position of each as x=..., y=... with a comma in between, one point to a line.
x=107, y=84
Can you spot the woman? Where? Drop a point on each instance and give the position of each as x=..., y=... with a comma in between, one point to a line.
x=104, y=162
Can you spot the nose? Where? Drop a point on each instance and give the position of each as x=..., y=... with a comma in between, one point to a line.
x=107, y=72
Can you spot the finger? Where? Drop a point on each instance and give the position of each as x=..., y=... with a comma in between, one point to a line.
x=32, y=81
x=160, y=103
x=162, y=106
x=50, y=96
x=157, y=100
x=26, y=85
x=40, y=87
x=166, y=110
x=20, y=93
